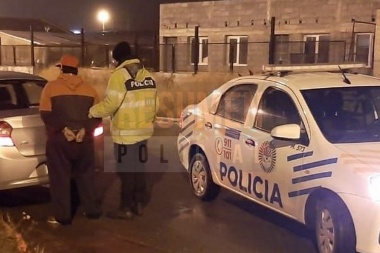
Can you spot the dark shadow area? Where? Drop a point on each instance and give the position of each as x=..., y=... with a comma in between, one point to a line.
x=152, y=178
x=105, y=180
x=31, y=195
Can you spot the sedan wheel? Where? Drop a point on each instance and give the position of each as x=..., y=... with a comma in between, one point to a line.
x=201, y=179
x=334, y=230
x=325, y=232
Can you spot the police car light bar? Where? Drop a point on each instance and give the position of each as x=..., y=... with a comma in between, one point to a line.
x=311, y=67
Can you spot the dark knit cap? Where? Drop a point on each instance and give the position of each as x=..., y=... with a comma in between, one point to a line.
x=121, y=51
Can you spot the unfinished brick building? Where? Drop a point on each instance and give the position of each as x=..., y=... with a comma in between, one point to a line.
x=235, y=35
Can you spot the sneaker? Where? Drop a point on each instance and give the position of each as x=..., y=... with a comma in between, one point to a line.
x=125, y=214
x=52, y=220
x=137, y=209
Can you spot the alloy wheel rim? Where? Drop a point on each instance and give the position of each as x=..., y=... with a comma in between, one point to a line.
x=325, y=232
x=199, y=180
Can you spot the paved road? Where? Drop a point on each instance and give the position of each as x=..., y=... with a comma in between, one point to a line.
x=174, y=220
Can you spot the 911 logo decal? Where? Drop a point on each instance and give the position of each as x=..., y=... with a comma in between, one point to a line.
x=219, y=145
x=267, y=157
x=223, y=147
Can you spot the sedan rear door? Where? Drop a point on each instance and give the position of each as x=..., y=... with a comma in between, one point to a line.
x=225, y=135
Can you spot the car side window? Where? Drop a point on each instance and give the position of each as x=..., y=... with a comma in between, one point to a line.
x=33, y=92
x=235, y=102
x=8, y=99
x=276, y=108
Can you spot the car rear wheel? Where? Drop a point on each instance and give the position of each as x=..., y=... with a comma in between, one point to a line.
x=335, y=232
x=201, y=180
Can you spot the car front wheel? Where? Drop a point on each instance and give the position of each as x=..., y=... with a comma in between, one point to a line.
x=200, y=178
x=334, y=229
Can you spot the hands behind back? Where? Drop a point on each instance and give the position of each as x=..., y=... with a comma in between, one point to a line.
x=71, y=136
x=80, y=135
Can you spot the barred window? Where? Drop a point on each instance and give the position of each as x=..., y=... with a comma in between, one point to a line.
x=202, y=50
x=237, y=50
x=364, y=48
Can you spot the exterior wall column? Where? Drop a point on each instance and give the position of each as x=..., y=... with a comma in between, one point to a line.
x=376, y=57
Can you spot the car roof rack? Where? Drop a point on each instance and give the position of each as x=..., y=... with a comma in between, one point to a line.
x=281, y=70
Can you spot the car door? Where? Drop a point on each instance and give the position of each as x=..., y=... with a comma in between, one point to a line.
x=267, y=175
x=227, y=130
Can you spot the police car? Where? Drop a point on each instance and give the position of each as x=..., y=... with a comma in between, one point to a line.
x=304, y=142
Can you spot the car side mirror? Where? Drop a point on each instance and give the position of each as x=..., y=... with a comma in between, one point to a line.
x=288, y=131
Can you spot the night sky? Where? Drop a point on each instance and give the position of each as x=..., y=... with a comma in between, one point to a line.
x=134, y=15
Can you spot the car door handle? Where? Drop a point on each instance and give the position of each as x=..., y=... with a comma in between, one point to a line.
x=250, y=142
x=208, y=125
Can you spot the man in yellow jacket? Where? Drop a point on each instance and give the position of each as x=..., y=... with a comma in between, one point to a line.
x=131, y=101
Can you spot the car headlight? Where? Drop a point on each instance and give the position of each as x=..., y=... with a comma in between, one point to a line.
x=374, y=187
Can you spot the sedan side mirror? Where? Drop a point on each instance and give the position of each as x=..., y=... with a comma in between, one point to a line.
x=288, y=131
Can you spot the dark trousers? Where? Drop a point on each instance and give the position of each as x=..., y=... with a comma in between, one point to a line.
x=67, y=161
x=131, y=171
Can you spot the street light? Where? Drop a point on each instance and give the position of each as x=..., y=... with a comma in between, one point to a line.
x=103, y=16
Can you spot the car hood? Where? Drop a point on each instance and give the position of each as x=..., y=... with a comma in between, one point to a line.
x=365, y=157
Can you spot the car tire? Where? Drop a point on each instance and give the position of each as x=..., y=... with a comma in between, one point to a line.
x=201, y=180
x=334, y=229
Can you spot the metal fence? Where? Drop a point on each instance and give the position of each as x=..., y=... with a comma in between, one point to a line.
x=97, y=56
x=222, y=57
x=185, y=57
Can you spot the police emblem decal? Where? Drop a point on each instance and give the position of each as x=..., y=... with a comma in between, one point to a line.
x=267, y=157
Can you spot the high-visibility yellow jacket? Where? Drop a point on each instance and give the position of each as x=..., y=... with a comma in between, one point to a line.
x=131, y=101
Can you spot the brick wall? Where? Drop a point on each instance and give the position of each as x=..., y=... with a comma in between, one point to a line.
x=218, y=19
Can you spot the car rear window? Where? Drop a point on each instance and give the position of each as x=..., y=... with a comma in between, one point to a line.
x=8, y=99
x=33, y=92
x=19, y=94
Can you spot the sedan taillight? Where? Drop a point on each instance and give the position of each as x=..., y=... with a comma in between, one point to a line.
x=184, y=115
x=5, y=134
x=98, y=131
x=180, y=122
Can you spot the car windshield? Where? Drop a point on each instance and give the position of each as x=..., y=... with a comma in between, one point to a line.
x=346, y=115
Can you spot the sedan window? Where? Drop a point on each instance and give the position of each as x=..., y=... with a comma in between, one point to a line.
x=276, y=108
x=8, y=99
x=33, y=92
x=17, y=94
x=235, y=102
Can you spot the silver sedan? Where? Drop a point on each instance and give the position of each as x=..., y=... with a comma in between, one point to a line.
x=22, y=132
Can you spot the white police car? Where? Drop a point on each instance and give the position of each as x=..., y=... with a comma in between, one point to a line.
x=306, y=145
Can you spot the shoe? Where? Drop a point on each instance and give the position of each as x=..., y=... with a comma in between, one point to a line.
x=52, y=220
x=93, y=216
x=137, y=209
x=125, y=214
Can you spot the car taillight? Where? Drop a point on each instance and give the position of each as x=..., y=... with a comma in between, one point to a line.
x=98, y=131
x=180, y=121
x=184, y=115
x=5, y=134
